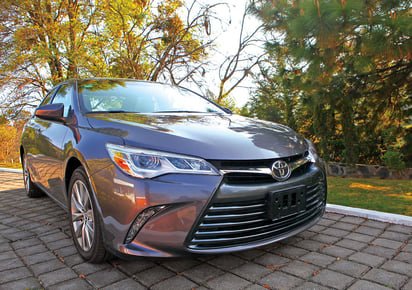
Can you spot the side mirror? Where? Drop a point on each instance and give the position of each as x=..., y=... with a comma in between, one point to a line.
x=50, y=112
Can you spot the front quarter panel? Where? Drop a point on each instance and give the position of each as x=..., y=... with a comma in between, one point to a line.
x=122, y=198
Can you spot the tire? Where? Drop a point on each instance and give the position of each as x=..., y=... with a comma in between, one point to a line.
x=84, y=219
x=32, y=190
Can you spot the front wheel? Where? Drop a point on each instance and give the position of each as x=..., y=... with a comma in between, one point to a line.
x=31, y=189
x=84, y=220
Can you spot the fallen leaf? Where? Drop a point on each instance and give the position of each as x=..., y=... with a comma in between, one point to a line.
x=317, y=272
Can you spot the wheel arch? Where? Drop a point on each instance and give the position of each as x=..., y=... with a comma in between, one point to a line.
x=72, y=164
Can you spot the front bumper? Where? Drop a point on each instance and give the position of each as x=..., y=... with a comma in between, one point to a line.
x=205, y=214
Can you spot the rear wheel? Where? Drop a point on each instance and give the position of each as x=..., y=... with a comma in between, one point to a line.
x=84, y=220
x=31, y=189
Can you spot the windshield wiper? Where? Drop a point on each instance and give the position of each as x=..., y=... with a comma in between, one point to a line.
x=111, y=112
x=179, y=112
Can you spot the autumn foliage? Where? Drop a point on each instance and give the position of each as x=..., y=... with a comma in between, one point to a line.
x=45, y=42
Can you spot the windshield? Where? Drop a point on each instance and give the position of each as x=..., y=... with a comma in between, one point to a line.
x=98, y=96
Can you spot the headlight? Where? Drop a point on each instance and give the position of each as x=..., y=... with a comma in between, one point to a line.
x=143, y=163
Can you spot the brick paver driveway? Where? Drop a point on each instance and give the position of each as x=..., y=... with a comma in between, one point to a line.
x=340, y=252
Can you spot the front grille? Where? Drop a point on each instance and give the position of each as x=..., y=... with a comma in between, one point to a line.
x=231, y=164
x=227, y=224
x=235, y=178
x=245, y=177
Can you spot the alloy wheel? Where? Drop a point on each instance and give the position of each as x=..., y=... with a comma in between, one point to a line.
x=82, y=215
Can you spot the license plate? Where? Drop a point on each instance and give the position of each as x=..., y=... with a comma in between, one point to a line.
x=286, y=202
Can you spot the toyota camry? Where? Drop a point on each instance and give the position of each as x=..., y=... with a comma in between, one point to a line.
x=149, y=169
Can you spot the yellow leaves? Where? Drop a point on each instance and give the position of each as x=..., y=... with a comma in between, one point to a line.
x=369, y=187
x=406, y=196
x=314, y=274
x=9, y=142
x=306, y=262
x=325, y=246
x=113, y=38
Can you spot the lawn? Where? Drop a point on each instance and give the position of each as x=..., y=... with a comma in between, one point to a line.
x=393, y=196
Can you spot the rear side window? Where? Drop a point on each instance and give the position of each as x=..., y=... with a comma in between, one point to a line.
x=48, y=97
x=64, y=96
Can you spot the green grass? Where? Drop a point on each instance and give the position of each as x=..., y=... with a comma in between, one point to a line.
x=393, y=196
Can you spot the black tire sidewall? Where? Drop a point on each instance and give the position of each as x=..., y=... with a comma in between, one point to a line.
x=31, y=190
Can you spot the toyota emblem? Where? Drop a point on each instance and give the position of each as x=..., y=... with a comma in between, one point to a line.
x=281, y=170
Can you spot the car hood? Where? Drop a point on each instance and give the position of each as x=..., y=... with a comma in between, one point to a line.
x=209, y=136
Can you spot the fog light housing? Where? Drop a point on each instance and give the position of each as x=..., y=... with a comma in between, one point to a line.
x=140, y=220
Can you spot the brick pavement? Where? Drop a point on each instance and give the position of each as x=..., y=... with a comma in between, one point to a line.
x=341, y=252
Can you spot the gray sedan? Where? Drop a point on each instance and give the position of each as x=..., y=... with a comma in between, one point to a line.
x=148, y=169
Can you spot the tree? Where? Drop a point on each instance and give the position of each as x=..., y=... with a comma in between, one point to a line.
x=238, y=66
x=10, y=135
x=147, y=42
x=350, y=62
x=44, y=42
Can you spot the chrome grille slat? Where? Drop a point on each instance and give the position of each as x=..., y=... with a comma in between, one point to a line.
x=230, y=208
x=229, y=216
x=223, y=232
x=202, y=225
x=313, y=197
x=316, y=188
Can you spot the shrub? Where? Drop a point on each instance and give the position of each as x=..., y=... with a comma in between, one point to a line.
x=393, y=159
